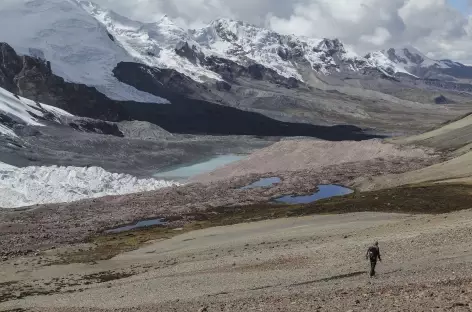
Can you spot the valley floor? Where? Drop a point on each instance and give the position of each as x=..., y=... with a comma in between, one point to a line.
x=58, y=224
x=313, y=263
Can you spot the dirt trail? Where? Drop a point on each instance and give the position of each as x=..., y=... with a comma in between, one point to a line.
x=300, y=264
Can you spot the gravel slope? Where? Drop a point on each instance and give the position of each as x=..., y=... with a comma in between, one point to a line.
x=303, y=264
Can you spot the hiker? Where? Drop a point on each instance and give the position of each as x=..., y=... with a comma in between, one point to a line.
x=373, y=253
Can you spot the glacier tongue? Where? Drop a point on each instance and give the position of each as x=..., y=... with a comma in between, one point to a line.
x=22, y=110
x=41, y=185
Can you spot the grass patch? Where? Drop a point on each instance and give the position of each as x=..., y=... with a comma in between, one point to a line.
x=424, y=199
x=110, y=245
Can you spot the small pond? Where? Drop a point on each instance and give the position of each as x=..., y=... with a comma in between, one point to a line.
x=265, y=182
x=324, y=191
x=140, y=224
x=186, y=171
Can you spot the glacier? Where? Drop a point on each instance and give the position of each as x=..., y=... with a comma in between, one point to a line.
x=20, y=187
x=79, y=48
x=23, y=111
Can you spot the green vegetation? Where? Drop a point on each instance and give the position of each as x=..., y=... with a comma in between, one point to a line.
x=14, y=290
x=424, y=199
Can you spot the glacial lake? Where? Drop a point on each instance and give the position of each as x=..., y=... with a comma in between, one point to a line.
x=186, y=171
x=138, y=225
x=324, y=191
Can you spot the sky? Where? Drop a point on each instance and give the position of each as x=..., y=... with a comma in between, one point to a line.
x=461, y=5
x=439, y=28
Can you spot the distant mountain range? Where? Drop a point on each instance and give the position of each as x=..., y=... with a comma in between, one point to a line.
x=226, y=63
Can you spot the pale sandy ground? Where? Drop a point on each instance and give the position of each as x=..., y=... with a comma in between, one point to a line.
x=303, y=264
x=303, y=154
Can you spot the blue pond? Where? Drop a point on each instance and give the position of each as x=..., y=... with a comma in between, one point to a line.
x=325, y=191
x=140, y=224
x=265, y=182
x=186, y=171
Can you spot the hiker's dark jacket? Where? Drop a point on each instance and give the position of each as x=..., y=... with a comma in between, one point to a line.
x=373, y=253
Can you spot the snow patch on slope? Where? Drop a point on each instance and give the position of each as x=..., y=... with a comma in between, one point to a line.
x=388, y=67
x=22, y=110
x=27, y=186
x=78, y=47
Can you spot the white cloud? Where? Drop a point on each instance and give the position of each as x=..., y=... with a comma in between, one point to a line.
x=379, y=37
x=433, y=26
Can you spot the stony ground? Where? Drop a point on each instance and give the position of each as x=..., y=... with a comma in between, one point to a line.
x=301, y=264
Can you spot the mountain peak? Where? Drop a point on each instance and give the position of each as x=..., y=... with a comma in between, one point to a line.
x=89, y=6
x=408, y=56
x=165, y=19
x=331, y=44
x=227, y=21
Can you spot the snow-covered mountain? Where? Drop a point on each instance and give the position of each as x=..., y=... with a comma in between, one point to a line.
x=411, y=61
x=244, y=43
x=85, y=42
x=165, y=45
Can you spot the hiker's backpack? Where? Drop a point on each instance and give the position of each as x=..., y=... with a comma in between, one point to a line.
x=372, y=253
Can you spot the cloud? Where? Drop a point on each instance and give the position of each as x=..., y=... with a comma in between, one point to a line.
x=433, y=26
x=379, y=37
